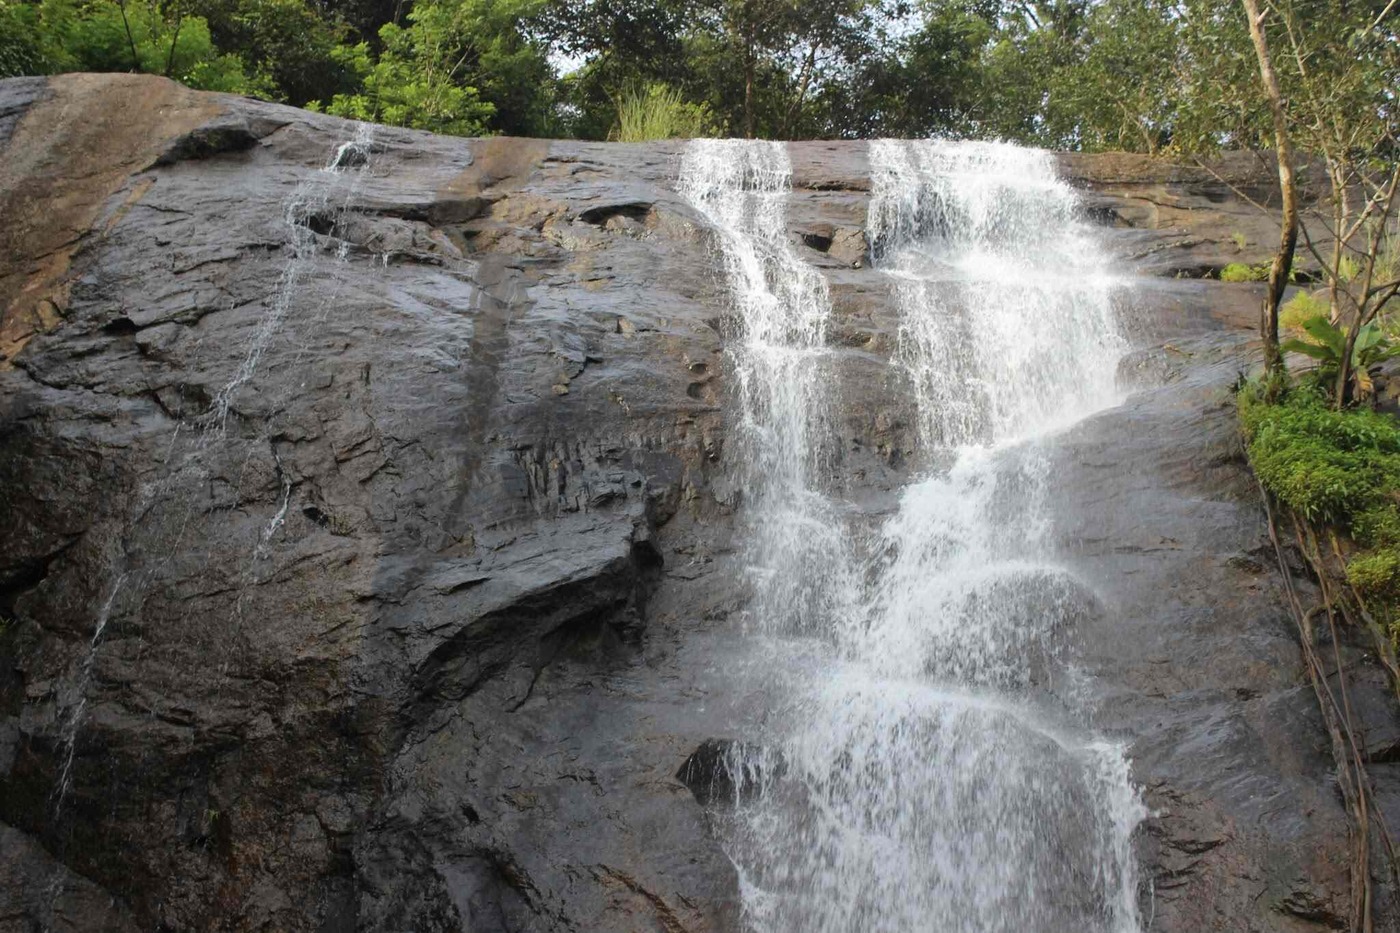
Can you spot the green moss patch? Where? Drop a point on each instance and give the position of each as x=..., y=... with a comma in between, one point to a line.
x=1337, y=468
x=1239, y=272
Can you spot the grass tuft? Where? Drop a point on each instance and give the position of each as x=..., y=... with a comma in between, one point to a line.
x=1301, y=308
x=655, y=111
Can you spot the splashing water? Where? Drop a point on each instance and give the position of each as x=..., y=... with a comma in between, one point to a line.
x=926, y=765
x=1007, y=329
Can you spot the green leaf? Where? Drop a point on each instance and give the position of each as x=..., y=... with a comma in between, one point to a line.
x=1368, y=337
x=1330, y=336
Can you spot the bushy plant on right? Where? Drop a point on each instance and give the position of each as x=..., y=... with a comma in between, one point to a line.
x=1333, y=468
x=1327, y=343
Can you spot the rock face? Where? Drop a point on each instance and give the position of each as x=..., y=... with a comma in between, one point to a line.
x=369, y=554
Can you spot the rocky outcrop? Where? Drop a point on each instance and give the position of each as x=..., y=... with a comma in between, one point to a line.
x=369, y=557
x=341, y=480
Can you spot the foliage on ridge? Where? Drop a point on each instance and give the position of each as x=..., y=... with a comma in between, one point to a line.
x=1138, y=75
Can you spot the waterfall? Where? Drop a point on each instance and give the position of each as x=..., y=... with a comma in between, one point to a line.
x=927, y=762
x=1006, y=327
x=783, y=385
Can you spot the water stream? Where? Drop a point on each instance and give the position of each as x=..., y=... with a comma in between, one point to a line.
x=926, y=761
x=783, y=386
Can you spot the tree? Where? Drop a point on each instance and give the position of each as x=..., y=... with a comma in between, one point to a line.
x=763, y=68
x=1344, y=60
x=924, y=83
x=288, y=47
x=1124, y=91
x=121, y=35
x=617, y=44
x=1282, y=264
x=462, y=67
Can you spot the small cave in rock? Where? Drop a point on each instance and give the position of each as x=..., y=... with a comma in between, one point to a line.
x=120, y=327
x=320, y=223
x=631, y=210
x=1104, y=216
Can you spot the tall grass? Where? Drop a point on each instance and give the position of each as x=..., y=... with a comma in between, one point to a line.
x=655, y=111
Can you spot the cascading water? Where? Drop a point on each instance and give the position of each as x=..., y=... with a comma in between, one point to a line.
x=784, y=394
x=926, y=763
x=1006, y=325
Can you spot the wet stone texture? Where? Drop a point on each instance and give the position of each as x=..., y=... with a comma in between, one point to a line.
x=369, y=529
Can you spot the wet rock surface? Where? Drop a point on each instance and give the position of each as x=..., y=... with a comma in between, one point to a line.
x=370, y=558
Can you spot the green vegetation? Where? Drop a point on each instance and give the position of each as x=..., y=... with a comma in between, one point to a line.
x=1239, y=272
x=655, y=111
x=1327, y=465
x=1337, y=469
x=1140, y=75
x=67, y=35
x=455, y=66
x=1328, y=344
x=1301, y=308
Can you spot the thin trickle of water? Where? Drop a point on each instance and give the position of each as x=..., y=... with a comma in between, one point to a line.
x=783, y=387
x=312, y=200
x=279, y=518
x=74, y=718
x=165, y=507
x=924, y=764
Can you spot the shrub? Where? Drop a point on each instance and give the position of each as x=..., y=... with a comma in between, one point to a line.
x=1301, y=308
x=1328, y=345
x=1239, y=272
x=99, y=35
x=403, y=88
x=25, y=49
x=1340, y=468
x=655, y=111
x=1376, y=574
x=1377, y=527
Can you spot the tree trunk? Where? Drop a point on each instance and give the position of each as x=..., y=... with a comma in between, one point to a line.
x=748, y=81
x=1343, y=395
x=131, y=41
x=1288, y=187
x=174, y=41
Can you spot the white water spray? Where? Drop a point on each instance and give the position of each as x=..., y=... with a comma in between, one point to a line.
x=922, y=771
